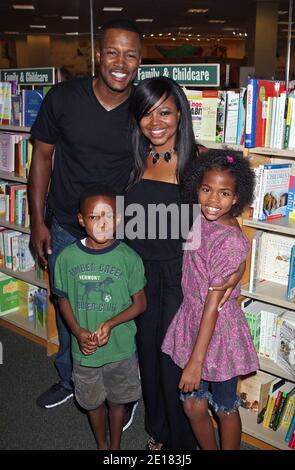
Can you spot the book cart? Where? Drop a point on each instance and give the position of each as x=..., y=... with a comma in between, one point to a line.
x=269, y=292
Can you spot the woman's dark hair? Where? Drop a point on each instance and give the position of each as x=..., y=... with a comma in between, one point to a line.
x=224, y=160
x=144, y=97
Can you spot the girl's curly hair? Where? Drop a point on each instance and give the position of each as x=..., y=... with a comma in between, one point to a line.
x=224, y=160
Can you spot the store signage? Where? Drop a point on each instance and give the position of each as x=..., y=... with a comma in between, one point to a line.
x=207, y=75
x=40, y=76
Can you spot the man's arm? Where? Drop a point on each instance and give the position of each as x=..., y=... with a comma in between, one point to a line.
x=38, y=183
x=138, y=306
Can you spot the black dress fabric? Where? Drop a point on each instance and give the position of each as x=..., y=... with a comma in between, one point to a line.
x=165, y=418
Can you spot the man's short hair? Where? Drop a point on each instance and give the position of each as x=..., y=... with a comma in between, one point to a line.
x=120, y=23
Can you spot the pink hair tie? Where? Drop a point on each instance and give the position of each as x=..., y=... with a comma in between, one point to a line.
x=229, y=159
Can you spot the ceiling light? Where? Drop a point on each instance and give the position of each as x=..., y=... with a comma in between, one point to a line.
x=144, y=20
x=187, y=39
x=284, y=22
x=23, y=7
x=70, y=17
x=217, y=21
x=282, y=12
x=11, y=32
x=185, y=27
x=173, y=39
x=286, y=30
x=72, y=34
x=197, y=10
x=112, y=9
x=160, y=34
x=42, y=26
x=229, y=29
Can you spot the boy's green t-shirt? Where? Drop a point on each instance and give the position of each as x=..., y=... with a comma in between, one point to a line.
x=99, y=285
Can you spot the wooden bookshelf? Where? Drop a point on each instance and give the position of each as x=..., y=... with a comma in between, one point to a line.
x=269, y=292
x=283, y=225
x=46, y=336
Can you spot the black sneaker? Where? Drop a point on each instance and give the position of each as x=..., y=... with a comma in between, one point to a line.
x=129, y=414
x=55, y=396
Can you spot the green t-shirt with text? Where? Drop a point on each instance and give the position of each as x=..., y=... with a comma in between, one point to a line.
x=99, y=285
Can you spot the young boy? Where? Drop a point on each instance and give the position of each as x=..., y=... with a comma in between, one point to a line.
x=99, y=282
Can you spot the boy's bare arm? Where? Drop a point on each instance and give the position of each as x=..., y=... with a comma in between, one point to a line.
x=83, y=336
x=191, y=376
x=138, y=306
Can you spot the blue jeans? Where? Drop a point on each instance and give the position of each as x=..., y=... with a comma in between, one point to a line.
x=60, y=238
x=223, y=395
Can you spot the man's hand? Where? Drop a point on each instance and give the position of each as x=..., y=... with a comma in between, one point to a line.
x=191, y=377
x=41, y=242
x=86, y=343
x=229, y=285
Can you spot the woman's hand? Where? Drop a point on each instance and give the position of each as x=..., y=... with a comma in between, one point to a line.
x=229, y=285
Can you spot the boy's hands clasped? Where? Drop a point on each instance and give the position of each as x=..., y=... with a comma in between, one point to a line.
x=89, y=342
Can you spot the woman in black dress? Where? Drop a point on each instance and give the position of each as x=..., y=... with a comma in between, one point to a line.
x=165, y=155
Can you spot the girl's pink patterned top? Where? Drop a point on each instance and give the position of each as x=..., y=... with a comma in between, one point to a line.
x=231, y=351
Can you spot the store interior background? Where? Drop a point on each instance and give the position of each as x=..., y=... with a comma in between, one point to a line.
x=246, y=33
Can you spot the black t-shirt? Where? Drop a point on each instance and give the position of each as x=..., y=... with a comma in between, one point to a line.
x=90, y=146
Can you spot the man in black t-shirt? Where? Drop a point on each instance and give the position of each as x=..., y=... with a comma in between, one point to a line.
x=83, y=123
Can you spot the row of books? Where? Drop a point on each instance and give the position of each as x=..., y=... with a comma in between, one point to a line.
x=273, y=400
x=15, y=153
x=15, y=253
x=273, y=332
x=19, y=107
x=14, y=206
x=218, y=115
x=273, y=259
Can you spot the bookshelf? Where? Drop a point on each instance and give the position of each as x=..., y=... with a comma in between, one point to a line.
x=16, y=321
x=269, y=292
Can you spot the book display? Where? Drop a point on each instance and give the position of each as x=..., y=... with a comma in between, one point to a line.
x=25, y=305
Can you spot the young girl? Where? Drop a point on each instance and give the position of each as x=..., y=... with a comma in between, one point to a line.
x=214, y=347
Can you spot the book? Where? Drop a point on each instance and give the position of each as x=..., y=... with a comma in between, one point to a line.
x=275, y=257
x=286, y=344
x=291, y=280
x=250, y=131
x=253, y=392
x=273, y=192
x=31, y=102
x=254, y=265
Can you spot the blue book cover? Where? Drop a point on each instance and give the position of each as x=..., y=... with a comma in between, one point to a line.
x=273, y=193
x=250, y=132
x=31, y=102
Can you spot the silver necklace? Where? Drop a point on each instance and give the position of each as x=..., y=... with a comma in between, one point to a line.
x=157, y=155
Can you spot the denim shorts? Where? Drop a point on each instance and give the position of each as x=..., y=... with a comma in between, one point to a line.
x=222, y=396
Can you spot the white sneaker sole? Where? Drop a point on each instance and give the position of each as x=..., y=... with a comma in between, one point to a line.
x=59, y=402
x=128, y=424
